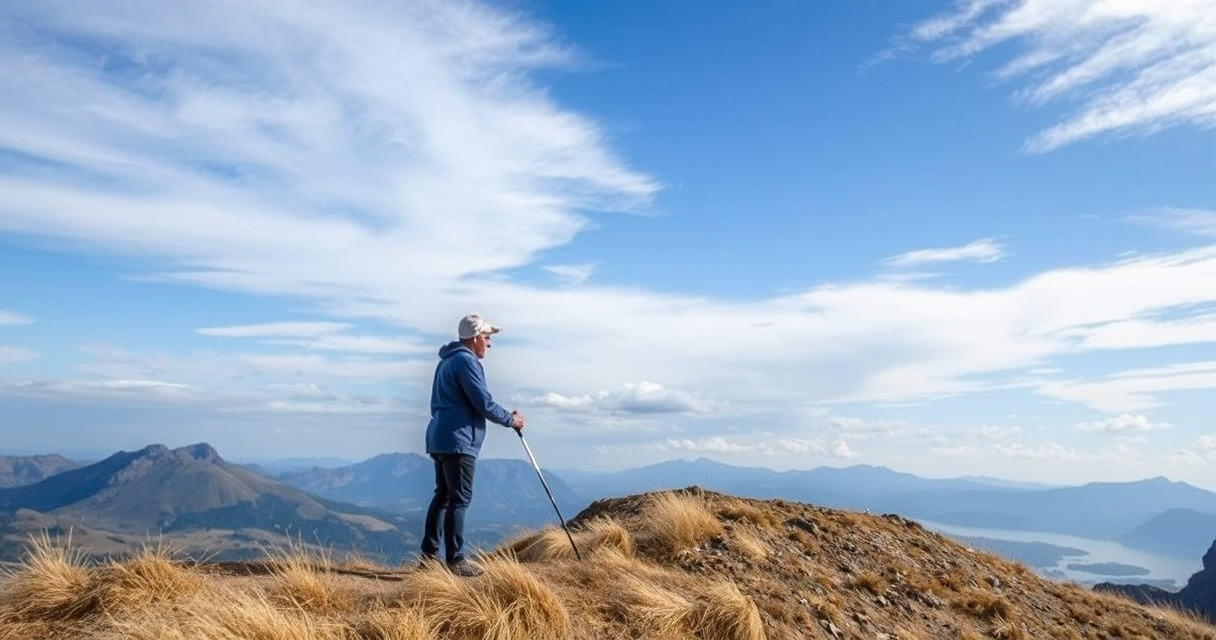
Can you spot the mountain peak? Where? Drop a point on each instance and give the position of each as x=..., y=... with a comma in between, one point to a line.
x=201, y=451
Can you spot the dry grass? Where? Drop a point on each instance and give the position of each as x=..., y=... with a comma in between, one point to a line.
x=395, y=624
x=724, y=613
x=678, y=521
x=739, y=510
x=52, y=583
x=691, y=578
x=305, y=581
x=505, y=603
x=597, y=536
x=229, y=614
x=869, y=581
x=149, y=578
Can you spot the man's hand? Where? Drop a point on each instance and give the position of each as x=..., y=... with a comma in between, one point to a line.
x=517, y=420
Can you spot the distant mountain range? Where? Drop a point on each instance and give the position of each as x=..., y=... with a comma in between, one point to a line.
x=504, y=491
x=377, y=503
x=20, y=470
x=193, y=499
x=1137, y=514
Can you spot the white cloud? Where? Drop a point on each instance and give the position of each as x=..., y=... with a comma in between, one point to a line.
x=10, y=318
x=769, y=448
x=984, y=250
x=571, y=273
x=1133, y=390
x=1193, y=221
x=277, y=330
x=992, y=432
x=1129, y=66
x=1124, y=422
x=13, y=355
x=356, y=159
x=1049, y=451
x=634, y=398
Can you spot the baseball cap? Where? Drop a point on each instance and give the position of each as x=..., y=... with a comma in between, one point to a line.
x=474, y=325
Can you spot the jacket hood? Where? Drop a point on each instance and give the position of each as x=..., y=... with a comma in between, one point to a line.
x=447, y=350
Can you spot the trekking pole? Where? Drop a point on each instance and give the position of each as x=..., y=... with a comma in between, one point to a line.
x=544, y=484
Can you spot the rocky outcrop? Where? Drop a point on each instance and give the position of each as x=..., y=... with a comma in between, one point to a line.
x=1199, y=594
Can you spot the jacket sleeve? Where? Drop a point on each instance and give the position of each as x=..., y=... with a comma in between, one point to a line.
x=473, y=381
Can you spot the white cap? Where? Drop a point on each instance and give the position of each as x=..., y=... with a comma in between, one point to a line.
x=474, y=325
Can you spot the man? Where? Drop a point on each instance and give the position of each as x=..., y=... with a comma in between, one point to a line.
x=460, y=406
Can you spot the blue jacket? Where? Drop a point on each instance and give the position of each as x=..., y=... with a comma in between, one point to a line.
x=461, y=403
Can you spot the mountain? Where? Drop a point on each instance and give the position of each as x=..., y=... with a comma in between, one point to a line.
x=1181, y=532
x=1199, y=594
x=1100, y=510
x=676, y=565
x=504, y=491
x=16, y=471
x=192, y=496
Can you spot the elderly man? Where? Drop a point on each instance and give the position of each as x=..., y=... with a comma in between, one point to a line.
x=460, y=406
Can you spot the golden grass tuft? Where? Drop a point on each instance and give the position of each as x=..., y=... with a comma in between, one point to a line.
x=301, y=581
x=504, y=603
x=593, y=538
x=985, y=605
x=679, y=521
x=150, y=577
x=1006, y=629
x=749, y=546
x=649, y=609
x=724, y=613
x=52, y=583
x=869, y=581
x=739, y=510
x=229, y=615
x=395, y=624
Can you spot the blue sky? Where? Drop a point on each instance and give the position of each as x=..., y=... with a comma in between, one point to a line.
x=952, y=238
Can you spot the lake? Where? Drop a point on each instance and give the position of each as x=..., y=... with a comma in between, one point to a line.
x=1160, y=567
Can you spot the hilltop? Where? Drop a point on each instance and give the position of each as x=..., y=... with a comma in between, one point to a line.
x=673, y=565
x=192, y=497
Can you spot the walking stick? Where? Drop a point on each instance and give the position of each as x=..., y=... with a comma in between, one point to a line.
x=544, y=484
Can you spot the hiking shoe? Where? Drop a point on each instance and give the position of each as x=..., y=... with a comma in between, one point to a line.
x=464, y=568
x=425, y=559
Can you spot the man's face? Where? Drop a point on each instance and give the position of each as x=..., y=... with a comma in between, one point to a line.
x=480, y=344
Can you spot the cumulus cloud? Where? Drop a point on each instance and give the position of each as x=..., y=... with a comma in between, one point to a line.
x=1124, y=422
x=1127, y=66
x=634, y=398
x=985, y=250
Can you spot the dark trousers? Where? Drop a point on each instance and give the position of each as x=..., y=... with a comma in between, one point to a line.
x=453, y=493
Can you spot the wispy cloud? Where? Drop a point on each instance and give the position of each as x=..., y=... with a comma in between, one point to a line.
x=985, y=250
x=277, y=330
x=638, y=398
x=1199, y=222
x=325, y=336
x=774, y=448
x=10, y=318
x=293, y=148
x=1124, y=422
x=571, y=273
x=13, y=355
x=1134, y=389
x=1129, y=66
